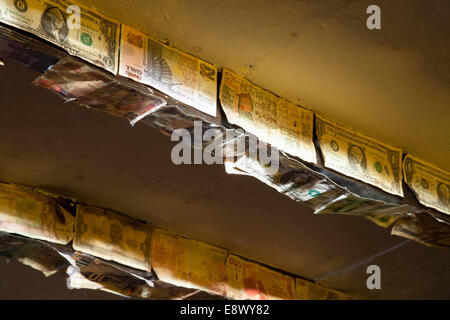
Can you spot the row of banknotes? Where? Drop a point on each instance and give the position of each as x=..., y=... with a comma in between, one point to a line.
x=86, y=33
x=343, y=149
x=111, y=252
x=272, y=119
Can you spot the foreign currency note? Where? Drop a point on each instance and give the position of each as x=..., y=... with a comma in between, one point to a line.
x=107, y=235
x=250, y=281
x=34, y=215
x=79, y=29
x=272, y=119
x=78, y=82
x=307, y=290
x=188, y=263
x=176, y=73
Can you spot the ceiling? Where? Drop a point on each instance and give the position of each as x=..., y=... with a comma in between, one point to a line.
x=391, y=84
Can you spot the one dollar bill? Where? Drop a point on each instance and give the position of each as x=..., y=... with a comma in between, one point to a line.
x=430, y=184
x=79, y=29
x=358, y=156
x=107, y=235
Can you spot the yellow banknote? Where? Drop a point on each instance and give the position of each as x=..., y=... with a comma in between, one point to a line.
x=272, y=119
x=34, y=215
x=176, y=73
x=110, y=236
x=358, y=156
x=188, y=263
x=307, y=290
x=249, y=280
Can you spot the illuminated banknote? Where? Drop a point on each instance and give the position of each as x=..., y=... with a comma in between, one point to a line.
x=307, y=290
x=107, y=235
x=188, y=263
x=429, y=183
x=34, y=215
x=176, y=73
x=272, y=119
x=359, y=156
x=250, y=281
x=79, y=29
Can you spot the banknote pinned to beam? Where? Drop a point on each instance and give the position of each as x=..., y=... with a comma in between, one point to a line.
x=79, y=82
x=360, y=157
x=307, y=290
x=272, y=119
x=34, y=215
x=79, y=29
x=249, y=280
x=188, y=263
x=176, y=73
x=430, y=184
x=107, y=235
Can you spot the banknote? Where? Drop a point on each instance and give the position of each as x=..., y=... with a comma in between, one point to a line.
x=307, y=290
x=425, y=229
x=32, y=253
x=176, y=73
x=78, y=82
x=188, y=263
x=107, y=235
x=272, y=119
x=380, y=212
x=250, y=281
x=34, y=215
x=293, y=179
x=359, y=156
x=79, y=29
x=430, y=183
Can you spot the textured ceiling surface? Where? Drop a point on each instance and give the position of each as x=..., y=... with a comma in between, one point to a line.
x=392, y=84
x=102, y=160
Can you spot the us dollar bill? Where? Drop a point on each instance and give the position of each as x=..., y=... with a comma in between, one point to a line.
x=34, y=215
x=358, y=156
x=107, y=235
x=176, y=73
x=79, y=29
x=430, y=183
x=272, y=119
x=425, y=229
x=307, y=290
